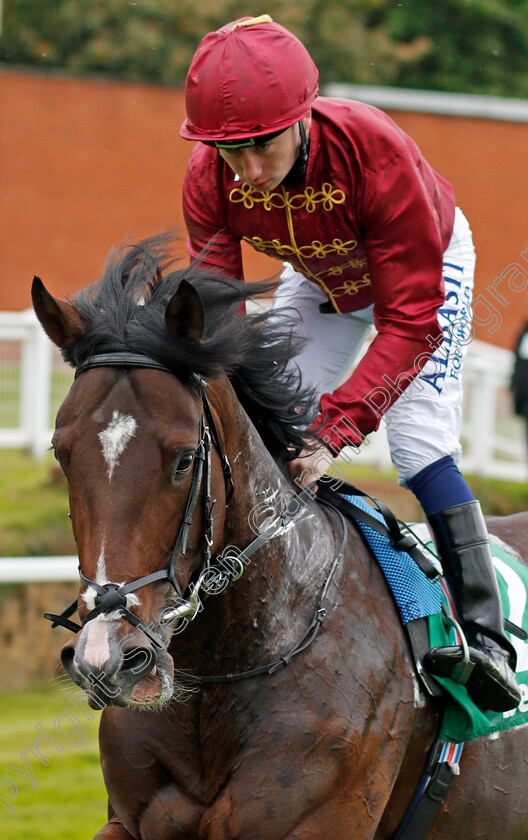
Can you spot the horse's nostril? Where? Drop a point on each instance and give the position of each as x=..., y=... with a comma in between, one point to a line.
x=66, y=655
x=139, y=661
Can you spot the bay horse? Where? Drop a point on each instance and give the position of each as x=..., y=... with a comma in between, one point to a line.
x=174, y=439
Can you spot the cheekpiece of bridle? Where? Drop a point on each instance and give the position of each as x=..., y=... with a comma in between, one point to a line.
x=112, y=597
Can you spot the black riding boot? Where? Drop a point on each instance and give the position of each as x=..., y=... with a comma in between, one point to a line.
x=462, y=541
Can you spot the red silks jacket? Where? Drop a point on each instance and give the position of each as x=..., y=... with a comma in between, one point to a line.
x=369, y=224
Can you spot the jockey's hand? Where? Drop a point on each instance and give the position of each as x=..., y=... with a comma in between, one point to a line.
x=310, y=466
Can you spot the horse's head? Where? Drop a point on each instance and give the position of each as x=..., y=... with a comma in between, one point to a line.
x=121, y=427
x=143, y=452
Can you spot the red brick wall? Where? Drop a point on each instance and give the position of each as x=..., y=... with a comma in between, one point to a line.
x=86, y=163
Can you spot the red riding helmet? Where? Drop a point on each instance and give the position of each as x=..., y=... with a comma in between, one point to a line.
x=250, y=78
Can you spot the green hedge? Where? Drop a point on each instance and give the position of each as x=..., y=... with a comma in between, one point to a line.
x=474, y=46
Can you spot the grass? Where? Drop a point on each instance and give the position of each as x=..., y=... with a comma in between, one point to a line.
x=70, y=799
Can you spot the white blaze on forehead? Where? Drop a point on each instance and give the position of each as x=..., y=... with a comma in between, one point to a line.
x=115, y=437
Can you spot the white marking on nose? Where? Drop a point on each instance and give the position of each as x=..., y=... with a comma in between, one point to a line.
x=99, y=629
x=115, y=437
x=97, y=648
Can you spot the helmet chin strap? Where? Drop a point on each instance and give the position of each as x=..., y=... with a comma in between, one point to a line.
x=298, y=170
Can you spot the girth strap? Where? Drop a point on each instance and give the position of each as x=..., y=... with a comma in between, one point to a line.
x=442, y=768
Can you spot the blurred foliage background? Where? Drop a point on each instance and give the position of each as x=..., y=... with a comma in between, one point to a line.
x=472, y=46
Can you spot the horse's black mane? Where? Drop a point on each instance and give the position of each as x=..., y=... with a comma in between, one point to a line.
x=125, y=311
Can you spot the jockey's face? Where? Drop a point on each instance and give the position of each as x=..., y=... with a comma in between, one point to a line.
x=264, y=167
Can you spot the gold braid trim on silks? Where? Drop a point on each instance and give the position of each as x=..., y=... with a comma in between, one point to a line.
x=349, y=287
x=296, y=256
x=315, y=249
x=327, y=196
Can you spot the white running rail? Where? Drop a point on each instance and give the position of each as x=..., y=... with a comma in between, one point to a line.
x=34, y=380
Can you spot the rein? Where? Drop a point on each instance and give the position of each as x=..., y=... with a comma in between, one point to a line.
x=310, y=634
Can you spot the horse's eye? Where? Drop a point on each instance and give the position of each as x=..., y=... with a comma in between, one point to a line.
x=183, y=463
x=60, y=460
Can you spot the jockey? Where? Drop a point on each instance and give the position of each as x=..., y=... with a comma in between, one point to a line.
x=370, y=235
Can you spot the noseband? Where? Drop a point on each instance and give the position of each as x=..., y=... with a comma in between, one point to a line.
x=112, y=597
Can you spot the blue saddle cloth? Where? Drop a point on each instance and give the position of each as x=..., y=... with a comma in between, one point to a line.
x=416, y=596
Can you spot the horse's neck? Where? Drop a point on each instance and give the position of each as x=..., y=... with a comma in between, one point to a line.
x=261, y=488
x=290, y=566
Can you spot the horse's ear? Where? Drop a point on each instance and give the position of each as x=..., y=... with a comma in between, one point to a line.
x=184, y=314
x=61, y=321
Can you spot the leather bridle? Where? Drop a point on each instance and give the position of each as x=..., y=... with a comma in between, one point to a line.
x=112, y=597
